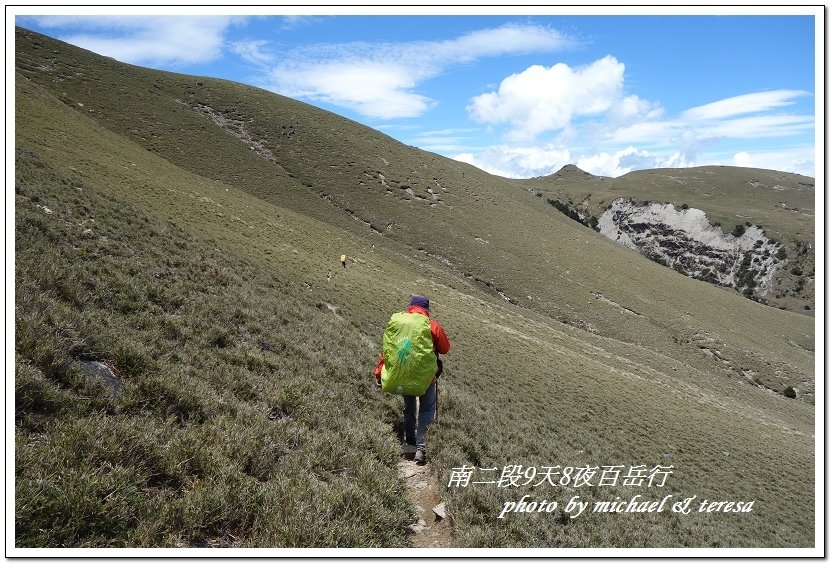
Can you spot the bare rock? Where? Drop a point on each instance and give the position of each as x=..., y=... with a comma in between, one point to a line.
x=440, y=511
x=103, y=373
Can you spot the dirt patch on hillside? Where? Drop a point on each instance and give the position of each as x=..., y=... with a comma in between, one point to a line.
x=431, y=529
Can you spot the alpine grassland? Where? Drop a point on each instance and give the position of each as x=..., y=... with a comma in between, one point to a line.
x=193, y=364
x=224, y=428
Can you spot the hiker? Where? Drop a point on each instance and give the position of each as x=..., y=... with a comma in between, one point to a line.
x=419, y=405
x=343, y=260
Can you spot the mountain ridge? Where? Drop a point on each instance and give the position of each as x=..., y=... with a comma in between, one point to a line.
x=375, y=201
x=616, y=357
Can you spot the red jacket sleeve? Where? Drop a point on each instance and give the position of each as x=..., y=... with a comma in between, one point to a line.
x=439, y=337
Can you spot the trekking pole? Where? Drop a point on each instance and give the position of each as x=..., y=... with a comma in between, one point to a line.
x=437, y=377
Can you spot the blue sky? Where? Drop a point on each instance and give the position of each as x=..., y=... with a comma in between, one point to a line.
x=519, y=95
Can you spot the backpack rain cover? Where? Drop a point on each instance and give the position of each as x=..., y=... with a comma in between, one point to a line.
x=409, y=363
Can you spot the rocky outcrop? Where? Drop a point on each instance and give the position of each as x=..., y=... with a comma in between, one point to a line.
x=685, y=240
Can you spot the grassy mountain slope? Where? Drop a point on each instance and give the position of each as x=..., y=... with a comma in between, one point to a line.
x=222, y=433
x=213, y=287
x=342, y=173
x=782, y=203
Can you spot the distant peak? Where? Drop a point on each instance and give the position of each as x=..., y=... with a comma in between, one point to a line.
x=573, y=172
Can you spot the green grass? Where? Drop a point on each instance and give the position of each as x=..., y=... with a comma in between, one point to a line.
x=248, y=415
x=229, y=429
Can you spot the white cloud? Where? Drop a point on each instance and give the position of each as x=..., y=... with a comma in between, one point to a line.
x=646, y=131
x=693, y=138
x=256, y=51
x=518, y=162
x=628, y=159
x=532, y=161
x=147, y=39
x=581, y=115
x=509, y=39
x=542, y=99
x=296, y=22
x=611, y=133
x=755, y=102
x=444, y=140
x=633, y=109
x=374, y=89
x=799, y=160
x=743, y=158
x=760, y=126
x=700, y=129
x=380, y=80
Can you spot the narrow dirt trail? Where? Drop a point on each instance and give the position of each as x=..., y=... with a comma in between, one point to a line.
x=431, y=529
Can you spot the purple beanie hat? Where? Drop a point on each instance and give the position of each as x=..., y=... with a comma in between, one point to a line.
x=420, y=301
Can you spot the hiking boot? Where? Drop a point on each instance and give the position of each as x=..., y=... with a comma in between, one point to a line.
x=421, y=457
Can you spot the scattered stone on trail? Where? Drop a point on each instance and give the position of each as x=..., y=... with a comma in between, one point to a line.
x=423, y=489
x=440, y=511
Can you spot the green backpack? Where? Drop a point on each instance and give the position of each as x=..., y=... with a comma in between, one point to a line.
x=409, y=363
